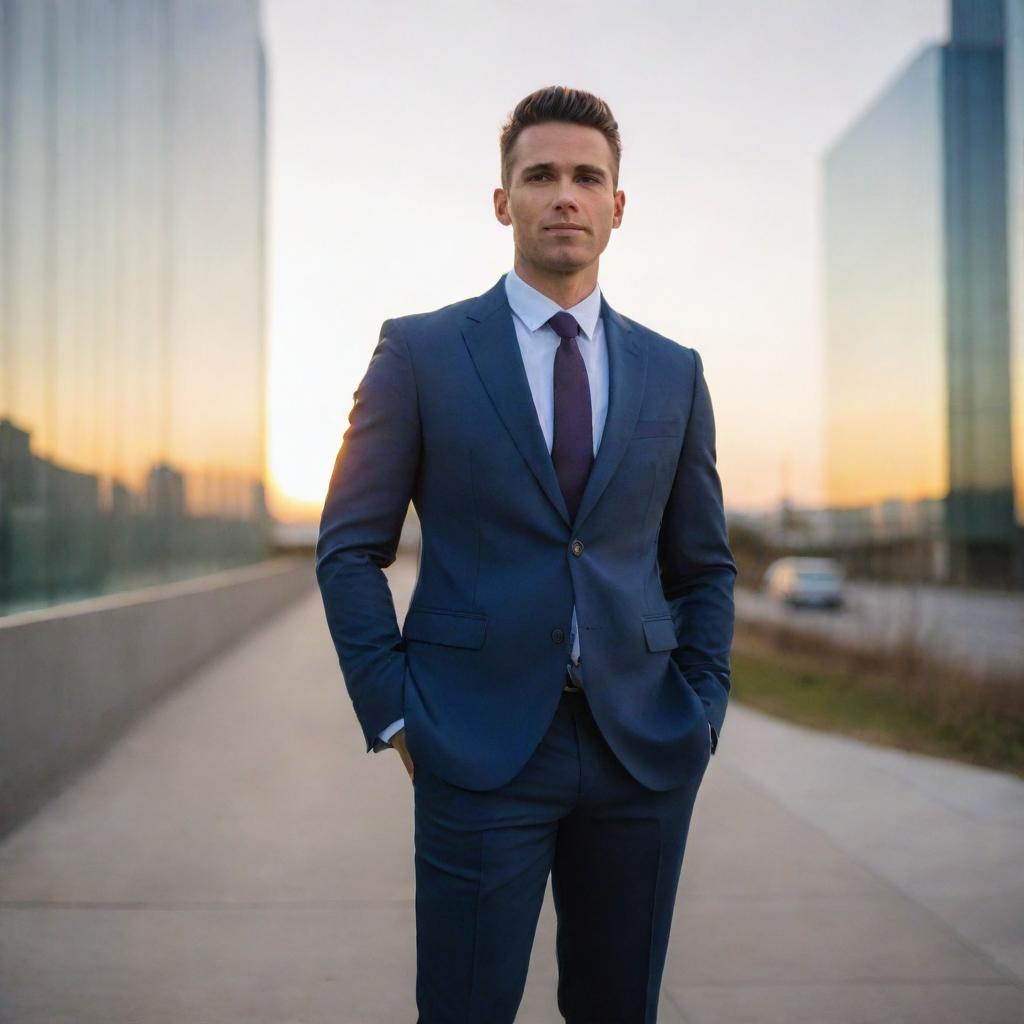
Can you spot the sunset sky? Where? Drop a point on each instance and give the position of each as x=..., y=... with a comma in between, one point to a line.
x=384, y=123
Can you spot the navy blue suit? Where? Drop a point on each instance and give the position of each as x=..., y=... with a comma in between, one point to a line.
x=444, y=418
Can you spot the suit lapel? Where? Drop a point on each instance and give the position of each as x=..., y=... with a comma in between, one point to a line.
x=490, y=336
x=627, y=369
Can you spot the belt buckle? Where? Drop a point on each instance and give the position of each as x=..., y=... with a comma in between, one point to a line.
x=570, y=686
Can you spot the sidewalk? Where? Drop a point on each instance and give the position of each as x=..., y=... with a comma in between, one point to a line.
x=238, y=857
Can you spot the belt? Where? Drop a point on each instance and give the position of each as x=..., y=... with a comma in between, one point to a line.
x=573, y=679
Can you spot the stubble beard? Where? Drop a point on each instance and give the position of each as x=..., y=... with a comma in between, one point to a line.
x=561, y=261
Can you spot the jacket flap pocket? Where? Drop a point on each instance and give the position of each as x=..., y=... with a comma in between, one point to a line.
x=657, y=428
x=454, y=629
x=661, y=634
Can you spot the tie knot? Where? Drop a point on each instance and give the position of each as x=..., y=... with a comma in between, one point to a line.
x=564, y=324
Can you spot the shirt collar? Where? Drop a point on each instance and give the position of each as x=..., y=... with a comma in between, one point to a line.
x=535, y=309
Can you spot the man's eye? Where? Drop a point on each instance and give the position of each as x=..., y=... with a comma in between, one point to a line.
x=538, y=174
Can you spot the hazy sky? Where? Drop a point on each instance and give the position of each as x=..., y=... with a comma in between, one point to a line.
x=384, y=122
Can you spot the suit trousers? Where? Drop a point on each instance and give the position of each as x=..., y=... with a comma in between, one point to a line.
x=613, y=849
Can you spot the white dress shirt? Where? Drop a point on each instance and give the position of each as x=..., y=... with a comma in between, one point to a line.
x=538, y=343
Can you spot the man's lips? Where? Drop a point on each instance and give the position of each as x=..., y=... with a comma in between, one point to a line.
x=564, y=227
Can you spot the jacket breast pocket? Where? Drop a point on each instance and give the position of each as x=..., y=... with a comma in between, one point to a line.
x=450, y=628
x=657, y=428
x=660, y=632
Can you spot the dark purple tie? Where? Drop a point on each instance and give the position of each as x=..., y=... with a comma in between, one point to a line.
x=572, y=450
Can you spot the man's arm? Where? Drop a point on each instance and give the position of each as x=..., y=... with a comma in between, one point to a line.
x=366, y=505
x=697, y=567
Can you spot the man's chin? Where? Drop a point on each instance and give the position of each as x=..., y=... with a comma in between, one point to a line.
x=563, y=263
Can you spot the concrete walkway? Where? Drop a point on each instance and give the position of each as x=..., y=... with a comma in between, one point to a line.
x=238, y=857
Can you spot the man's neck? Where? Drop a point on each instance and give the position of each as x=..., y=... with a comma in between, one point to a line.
x=565, y=289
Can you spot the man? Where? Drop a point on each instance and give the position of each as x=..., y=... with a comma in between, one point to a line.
x=562, y=674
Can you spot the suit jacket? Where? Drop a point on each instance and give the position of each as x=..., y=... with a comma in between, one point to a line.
x=444, y=418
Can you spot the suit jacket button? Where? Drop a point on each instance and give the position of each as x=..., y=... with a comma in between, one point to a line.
x=577, y=548
x=558, y=636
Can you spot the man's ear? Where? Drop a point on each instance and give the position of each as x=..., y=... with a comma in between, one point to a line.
x=501, y=206
x=620, y=206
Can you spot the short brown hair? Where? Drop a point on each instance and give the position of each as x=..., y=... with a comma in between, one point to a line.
x=557, y=103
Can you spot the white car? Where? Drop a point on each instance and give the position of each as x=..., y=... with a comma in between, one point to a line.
x=799, y=580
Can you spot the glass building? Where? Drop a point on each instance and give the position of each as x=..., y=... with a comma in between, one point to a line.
x=132, y=292
x=917, y=304
x=1015, y=200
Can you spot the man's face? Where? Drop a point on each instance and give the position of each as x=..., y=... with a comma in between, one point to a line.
x=560, y=174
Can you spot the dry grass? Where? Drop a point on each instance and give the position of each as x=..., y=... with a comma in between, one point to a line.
x=905, y=694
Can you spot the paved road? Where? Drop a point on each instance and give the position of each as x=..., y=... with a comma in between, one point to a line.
x=982, y=630
x=238, y=857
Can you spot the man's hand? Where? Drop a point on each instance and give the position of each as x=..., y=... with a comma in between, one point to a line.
x=398, y=742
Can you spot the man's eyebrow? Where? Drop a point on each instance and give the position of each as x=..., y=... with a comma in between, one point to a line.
x=584, y=168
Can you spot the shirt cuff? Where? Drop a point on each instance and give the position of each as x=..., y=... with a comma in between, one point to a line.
x=382, y=741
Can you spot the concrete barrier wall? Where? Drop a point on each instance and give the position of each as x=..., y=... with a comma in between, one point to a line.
x=74, y=676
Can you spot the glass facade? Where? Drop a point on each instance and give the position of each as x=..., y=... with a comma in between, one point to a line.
x=132, y=370
x=1015, y=200
x=980, y=500
x=918, y=368
x=885, y=366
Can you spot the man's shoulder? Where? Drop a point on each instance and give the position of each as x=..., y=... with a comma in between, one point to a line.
x=437, y=321
x=660, y=346
x=432, y=318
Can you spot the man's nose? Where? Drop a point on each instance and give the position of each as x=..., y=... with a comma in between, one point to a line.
x=566, y=198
